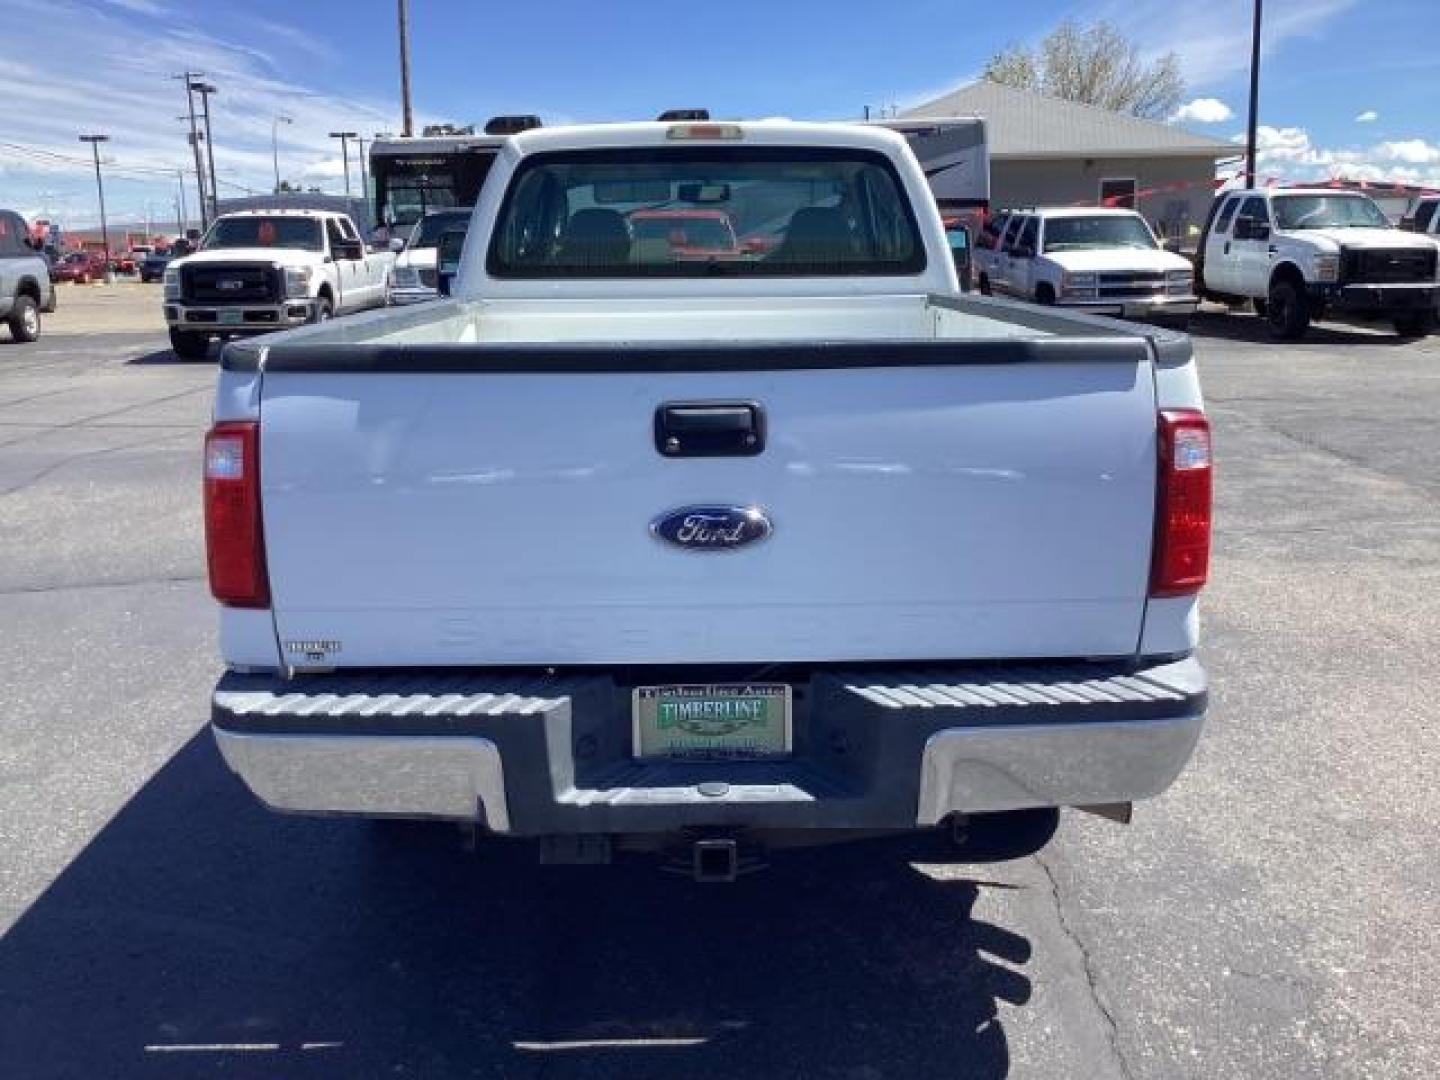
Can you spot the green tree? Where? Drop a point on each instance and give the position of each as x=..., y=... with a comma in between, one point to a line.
x=1096, y=65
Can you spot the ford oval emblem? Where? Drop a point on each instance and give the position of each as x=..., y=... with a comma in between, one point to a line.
x=712, y=528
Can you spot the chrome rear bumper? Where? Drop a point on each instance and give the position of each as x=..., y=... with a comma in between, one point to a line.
x=551, y=756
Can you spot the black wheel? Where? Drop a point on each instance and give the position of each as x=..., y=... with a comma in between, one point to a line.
x=1415, y=323
x=189, y=345
x=1288, y=314
x=1261, y=307
x=984, y=285
x=324, y=309
x=24, y=320
x=1044, y=294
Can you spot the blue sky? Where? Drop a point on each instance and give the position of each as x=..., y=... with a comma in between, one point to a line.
x=1350, y=87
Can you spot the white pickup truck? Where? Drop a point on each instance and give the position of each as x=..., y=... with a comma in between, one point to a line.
x=412, y=278
x=1102, y=260
x=1305, y=254
x=258, y=271
x=624, y=546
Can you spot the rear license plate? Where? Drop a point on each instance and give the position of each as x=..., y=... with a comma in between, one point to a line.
x=230, y=318
x=731, y=720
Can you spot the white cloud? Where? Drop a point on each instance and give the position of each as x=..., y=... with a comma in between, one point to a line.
x=1213, y=39
x=136, y=103
x=1369, y=116
x=1409, y=151
x=141, y=7
x=1289, y=155
x=1205, y=110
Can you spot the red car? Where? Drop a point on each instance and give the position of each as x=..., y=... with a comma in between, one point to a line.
x=690, y=233
x=81, y=267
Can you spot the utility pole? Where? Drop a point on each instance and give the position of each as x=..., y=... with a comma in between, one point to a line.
x=407, y=125
x=180, y=202
x=205, y=89
x=364, y=183
x=190, y=77
x=95, y=141
x=275, y=122
x=179, y=217
x=345, y=137
x=1250, y=139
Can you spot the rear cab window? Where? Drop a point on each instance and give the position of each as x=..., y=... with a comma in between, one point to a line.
x=668, y=212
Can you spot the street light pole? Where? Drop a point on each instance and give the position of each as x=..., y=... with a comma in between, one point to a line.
x=276, y=121
x=406, y=119
x=95, y=141
x=1250, y=139
x=205, y=89
x=345, y=137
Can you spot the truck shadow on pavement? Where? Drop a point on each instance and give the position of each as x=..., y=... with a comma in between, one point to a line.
x=1252, y=328
x=198, y=934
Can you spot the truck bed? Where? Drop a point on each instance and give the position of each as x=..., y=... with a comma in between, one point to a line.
x=616, y=324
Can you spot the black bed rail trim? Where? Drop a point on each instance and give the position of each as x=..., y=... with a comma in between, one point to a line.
x=573, y=358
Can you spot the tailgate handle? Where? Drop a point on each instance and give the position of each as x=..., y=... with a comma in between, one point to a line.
x=710, y=429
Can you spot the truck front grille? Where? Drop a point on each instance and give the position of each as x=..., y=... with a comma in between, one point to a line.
x=1379, y=267
x=1121, y=286
x=237, y=283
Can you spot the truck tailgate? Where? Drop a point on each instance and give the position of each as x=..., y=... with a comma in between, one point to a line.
x=459, y=514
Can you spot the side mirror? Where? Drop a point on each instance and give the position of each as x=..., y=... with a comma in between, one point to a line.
x=447, y=259
x=349, y=249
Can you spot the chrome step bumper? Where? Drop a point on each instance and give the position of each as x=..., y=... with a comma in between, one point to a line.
x=551, y=756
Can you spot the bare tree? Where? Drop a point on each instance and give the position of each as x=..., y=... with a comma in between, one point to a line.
x=1097, y=65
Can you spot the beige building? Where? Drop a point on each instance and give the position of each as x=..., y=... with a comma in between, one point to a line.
x=1049, y=152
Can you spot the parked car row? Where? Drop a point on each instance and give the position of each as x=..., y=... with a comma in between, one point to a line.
x=1296, y=256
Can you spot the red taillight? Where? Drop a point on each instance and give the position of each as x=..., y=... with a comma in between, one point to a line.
x=234, y=546
x=1182, y=506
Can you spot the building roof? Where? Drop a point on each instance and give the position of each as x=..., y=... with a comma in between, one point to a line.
x=1024, y=124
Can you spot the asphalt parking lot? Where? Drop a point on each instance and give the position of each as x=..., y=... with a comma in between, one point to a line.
x=1274, y=915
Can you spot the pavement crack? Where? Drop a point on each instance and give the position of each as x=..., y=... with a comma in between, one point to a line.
x=121, y=583
x=82, y=421
x=1112, y=1030
x=1314, y=445
x=56, y=466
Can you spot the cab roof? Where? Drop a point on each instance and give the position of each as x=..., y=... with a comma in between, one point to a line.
x=774, y=132
x=1079, y=211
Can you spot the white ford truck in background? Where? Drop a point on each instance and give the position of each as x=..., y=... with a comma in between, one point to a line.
x=619, y=547
x=1104, y=261
x=258, y=271
x=1305, y=254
